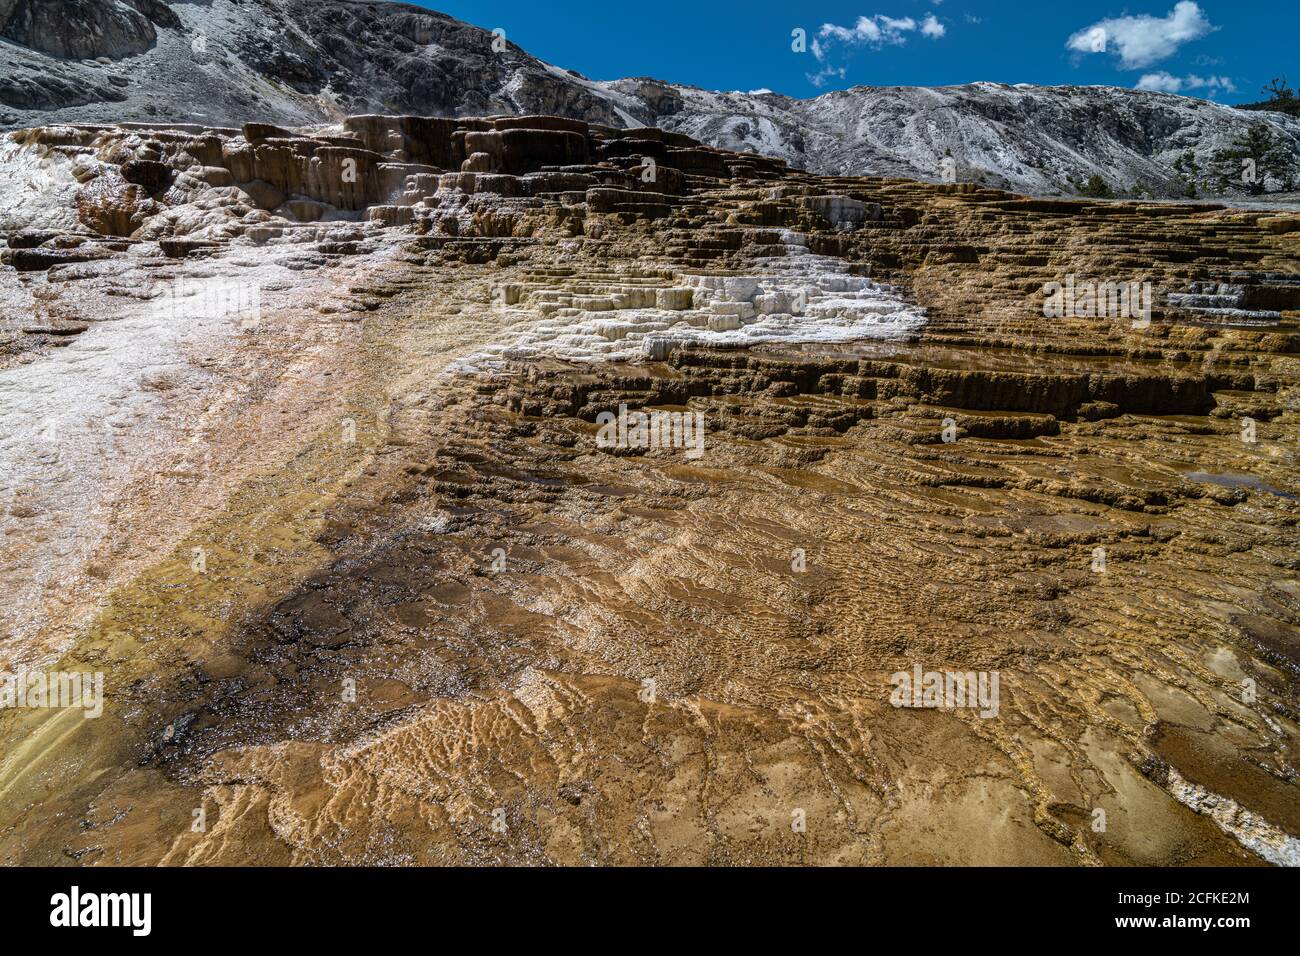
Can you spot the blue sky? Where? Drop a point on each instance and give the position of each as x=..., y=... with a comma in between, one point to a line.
x=1220, y=49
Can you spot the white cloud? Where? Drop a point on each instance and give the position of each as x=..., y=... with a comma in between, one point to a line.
x=1143, y=40
x=876, y=31
x=1163, y=82
x=896, y=26
x=821, y=76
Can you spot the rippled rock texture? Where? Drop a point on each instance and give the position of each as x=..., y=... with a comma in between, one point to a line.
x=384, y=560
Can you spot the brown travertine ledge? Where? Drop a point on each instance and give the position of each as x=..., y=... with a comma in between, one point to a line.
x=437, y=622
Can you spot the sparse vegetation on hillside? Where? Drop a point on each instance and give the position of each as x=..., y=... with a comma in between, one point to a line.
x=1187, y=172
x=1097, y=188
x=1249, y=163
x=1281, y=99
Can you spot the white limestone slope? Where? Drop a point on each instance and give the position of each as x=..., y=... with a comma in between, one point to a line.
x=796, y=297
x=38, y=189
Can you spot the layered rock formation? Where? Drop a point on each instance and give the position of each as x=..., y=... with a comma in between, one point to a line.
x=368, y=586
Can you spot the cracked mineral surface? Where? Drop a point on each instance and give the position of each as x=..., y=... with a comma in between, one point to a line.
x=358, y=460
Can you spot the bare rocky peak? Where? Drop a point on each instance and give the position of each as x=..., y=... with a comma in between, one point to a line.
x=305, y=61
x=1040, y=140
x=280, y=61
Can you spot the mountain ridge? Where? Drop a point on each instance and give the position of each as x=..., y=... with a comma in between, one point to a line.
x=297, y=62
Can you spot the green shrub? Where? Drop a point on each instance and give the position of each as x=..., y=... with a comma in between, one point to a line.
x=1097, y=188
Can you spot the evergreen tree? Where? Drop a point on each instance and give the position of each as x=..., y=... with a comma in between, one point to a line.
x=1097, y=188
x=1249, y=160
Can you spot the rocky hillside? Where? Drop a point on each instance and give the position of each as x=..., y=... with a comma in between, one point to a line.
x=1034, y=139
x=304, y=61
x=284, y=61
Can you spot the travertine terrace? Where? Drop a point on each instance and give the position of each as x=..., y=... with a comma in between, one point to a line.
x=301, y=452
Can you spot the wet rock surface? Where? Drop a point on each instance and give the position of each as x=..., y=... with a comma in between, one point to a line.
x=368, y=586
